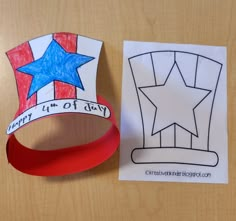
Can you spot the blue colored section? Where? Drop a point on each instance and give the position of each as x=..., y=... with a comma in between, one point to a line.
x=55, y=65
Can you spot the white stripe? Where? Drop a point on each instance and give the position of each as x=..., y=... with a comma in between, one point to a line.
x=144, y=76
x=58, y=107
x=187, y=65
x=88, y=72
x=39, y=46
x=207, y=75
x=167, y=137
x=162, y=62
x=183, y=138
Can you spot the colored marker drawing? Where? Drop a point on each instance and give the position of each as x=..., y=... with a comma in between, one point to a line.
x=56, y=74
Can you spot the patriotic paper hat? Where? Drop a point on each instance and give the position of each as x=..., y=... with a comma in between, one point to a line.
x=56, y=74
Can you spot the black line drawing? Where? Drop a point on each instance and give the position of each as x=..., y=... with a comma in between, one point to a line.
x=185, y=138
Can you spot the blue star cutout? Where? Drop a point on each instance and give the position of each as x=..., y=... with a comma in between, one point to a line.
x=55, y=65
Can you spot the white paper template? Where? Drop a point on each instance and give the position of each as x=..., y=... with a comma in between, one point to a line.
x=174, y=113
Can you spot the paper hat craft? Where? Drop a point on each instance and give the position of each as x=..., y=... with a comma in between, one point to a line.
x=56, y=74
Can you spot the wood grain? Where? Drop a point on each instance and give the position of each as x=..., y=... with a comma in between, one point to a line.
x=97, y=194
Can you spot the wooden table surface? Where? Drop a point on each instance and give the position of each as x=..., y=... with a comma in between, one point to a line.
x=97, y=194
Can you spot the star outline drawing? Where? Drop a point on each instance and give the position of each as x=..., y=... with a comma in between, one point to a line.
x=174, y=123
x=56, y=64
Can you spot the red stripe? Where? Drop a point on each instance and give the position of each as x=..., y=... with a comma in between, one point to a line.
x=68, y=42
x=18, y=57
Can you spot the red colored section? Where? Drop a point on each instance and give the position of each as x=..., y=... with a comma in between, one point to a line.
x=18, y=57
x=68, y=42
